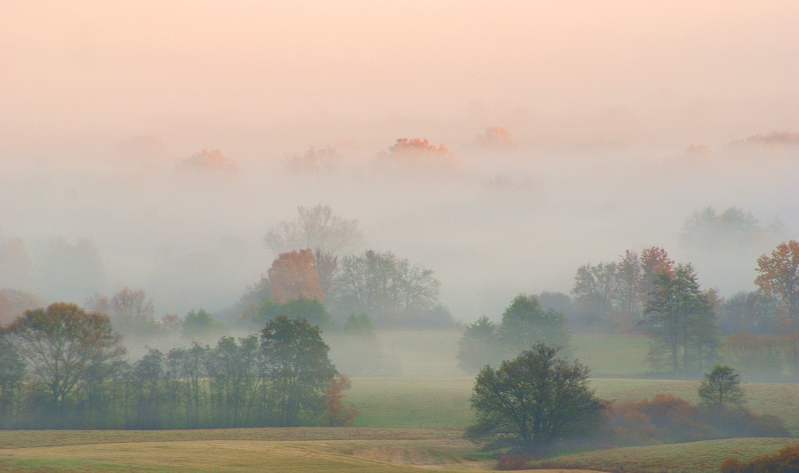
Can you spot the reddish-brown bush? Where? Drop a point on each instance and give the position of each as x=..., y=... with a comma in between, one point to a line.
x=670, y=419
x=514, y=461
x=784, y=461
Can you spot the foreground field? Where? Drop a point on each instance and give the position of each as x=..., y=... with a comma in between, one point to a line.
x=694, y=457
x=241, y=450
x=443, y=403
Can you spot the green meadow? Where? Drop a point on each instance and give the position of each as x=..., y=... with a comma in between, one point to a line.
x=409, y=423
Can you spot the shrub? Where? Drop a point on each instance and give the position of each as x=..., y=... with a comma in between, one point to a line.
x=784, y=461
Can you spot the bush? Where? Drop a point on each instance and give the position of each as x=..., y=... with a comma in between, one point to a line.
x=670, y=419
x=784, y=461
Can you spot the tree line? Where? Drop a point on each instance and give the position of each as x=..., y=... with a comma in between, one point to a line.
x=63, y=367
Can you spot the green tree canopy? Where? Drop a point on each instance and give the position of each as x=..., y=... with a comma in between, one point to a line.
x=534, y=402
x=721, y=388
x=297, y=368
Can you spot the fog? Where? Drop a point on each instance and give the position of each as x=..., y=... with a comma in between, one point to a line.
x=103, y=103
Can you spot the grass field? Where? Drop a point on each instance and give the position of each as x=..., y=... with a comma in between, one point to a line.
x=406, y=424
x=694, y=457
x=241, y=450
x=443, y=403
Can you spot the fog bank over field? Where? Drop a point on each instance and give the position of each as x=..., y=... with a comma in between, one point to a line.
x=572, y=132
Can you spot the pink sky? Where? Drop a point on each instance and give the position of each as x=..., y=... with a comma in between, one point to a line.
x=682, y=72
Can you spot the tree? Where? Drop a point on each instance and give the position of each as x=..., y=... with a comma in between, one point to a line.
x=309, y=309
x=417, y=156
x=721, y=387
x=680, y=319
x=63, y=341
x=315, y=227
x=628, y=290
x=525, y=323
x=778, y=277
x=315, y=161
x=595, y=291
x=534, y=402
x=326, y=266
x=478, y=346
x=200, y=324
x=206, y=160
x=130, y=310
x=654, y=261
x=297, y=368
x=337, y=413
x=733, y=228
x=12, y=373
x=387, y=288
x=292, y=276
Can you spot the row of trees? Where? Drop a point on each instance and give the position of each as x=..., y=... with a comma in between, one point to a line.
x=62, y=367
x=654, y=294
x=613, y=295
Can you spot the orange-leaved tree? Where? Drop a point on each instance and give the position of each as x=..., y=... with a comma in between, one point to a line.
x=337, y=413
x=778, y=277
x=292, y=276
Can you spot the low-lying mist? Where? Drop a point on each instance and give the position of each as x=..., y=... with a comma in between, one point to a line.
x=498, y=220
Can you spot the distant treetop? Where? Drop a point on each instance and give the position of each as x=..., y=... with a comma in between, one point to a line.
x=212, y=160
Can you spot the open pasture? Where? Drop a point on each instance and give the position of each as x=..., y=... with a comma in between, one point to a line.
x=240, y=450
x=443, y=403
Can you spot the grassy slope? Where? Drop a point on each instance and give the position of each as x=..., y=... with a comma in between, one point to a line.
x=443, y=403
x=695, y=457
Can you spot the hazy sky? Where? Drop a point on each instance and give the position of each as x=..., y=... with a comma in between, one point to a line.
x=665, y=72
x=99, y=101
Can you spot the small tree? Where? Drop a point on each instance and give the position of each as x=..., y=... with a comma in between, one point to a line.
x=297, y=369
x=478, y=346
x=721, y=388
x=533, y=402
x=337, y=413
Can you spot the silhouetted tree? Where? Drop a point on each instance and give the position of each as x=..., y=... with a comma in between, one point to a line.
x=61, y=342
x=525, y=323
x=12, y=373
x=534, y=402
x=680, y=319
x=721, y=388
x=297, y=370
x=388, y=288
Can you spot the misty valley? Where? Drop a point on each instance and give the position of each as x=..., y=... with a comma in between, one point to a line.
x=399, y=236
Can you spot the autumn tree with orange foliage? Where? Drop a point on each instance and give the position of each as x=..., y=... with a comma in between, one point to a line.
x=778, y=277
x=337, y=413
x=292, y=276
x=419, y=156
